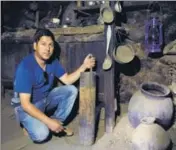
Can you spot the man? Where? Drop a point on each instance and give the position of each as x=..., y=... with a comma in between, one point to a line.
x=34, y=82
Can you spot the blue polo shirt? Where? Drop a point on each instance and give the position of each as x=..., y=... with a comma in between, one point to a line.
x=30, y=78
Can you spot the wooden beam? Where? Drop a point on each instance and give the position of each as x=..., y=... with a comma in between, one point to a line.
x=109, y=91
x=58, y=38
x=58, y=31
x=81, y=38
x=81, y=34
x=79, y=30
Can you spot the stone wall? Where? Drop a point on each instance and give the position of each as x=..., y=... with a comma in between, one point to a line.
x=146, y=69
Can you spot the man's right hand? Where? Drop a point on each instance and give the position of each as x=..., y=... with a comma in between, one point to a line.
x=55, y=125
x=89, y=61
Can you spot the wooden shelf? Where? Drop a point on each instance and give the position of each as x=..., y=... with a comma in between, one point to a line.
x=79, y=34
x=94, y=29
x=87, y=8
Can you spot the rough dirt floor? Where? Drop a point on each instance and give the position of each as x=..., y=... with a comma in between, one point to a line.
x=12, y=137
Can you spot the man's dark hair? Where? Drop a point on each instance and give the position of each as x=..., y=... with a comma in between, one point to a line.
x=42, y=32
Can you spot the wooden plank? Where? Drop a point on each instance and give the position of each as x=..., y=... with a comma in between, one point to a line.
x=87, y=108
x=70, y=34
x=109, y=91
x=59, y=38
x=81, y=38
x=79, y=30
x=12, y=54
x=57, y=31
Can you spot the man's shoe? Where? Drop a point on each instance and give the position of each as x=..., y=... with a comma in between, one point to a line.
x=68, y=131
x=65, y=132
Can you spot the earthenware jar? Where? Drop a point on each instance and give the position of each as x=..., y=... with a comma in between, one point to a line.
x=173, y=91
x=149, y=136
x=151, y=100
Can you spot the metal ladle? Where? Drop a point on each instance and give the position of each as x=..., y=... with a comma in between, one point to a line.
x=107, y=61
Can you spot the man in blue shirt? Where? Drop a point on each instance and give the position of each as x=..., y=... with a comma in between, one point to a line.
x=34, y=82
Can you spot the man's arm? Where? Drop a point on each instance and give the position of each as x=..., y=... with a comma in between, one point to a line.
x=71, y=78
x=28, y=107
x=88, y=63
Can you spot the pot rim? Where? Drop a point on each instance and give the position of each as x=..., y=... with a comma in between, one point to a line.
x=146, y=86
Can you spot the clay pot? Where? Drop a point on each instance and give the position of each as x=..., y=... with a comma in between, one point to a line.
x=150, y=136
x=173, y=91
x=151, y=100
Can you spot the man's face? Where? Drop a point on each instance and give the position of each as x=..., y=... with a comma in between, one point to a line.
x=44, y=47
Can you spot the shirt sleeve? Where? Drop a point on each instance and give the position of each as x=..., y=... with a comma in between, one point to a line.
x=23, y=80
x=58, y=69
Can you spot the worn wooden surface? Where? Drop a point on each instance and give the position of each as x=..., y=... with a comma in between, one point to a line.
x=11, y=55
x=87, y=101
x=59, y=39
x=109, y=96
x=56, y=31
x=70, y=34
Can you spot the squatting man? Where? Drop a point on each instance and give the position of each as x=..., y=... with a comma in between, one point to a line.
x=34, y=80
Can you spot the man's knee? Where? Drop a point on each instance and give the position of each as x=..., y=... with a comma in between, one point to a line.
x=41, y=134
x=73, y=90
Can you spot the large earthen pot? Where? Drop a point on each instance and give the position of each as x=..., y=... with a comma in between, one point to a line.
x=151, y=100
x=150, y=136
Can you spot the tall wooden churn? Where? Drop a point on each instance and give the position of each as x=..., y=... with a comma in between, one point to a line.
x=87, y=100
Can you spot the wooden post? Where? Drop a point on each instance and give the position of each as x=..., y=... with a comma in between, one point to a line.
x=87, y=108
x=109, y=90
